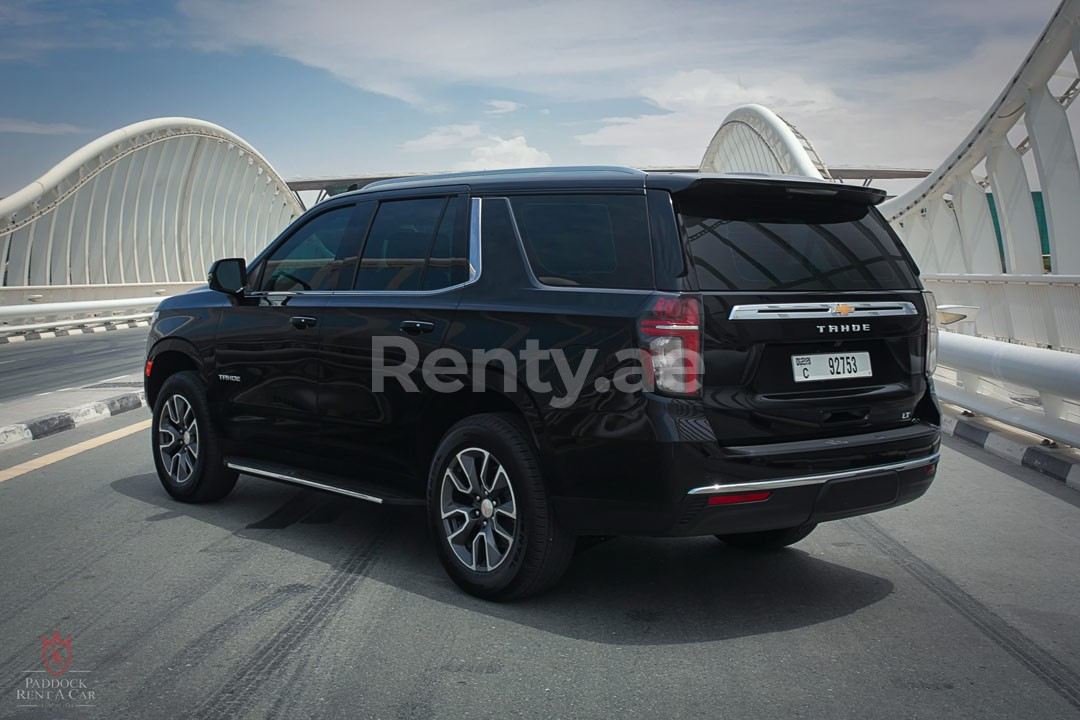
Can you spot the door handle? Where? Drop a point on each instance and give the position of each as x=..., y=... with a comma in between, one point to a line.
x=303, y=323
x=416, y=327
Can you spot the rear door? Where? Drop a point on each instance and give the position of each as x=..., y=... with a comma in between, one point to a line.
x=396, y=310
x=814, y=317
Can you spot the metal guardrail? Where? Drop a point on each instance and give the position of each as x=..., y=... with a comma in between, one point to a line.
x=1041, y=310
x=1034, y=389
x=46, y=294
x=34, y=317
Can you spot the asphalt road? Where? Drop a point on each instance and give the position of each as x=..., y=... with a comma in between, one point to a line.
x=38, y=366
x=283, y=602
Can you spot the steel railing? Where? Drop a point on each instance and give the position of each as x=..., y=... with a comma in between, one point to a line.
x=1034, y=389
x=15, y=319
x=1040, y=310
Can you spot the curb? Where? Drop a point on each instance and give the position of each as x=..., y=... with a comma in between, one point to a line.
x=6, y=339
x=1063, y=466
x=58, y=422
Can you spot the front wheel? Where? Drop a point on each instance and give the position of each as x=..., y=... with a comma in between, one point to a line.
x=768, y=539
x=489, y=514
x=187, y=454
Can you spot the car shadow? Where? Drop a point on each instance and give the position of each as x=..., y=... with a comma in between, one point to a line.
x=626, y=591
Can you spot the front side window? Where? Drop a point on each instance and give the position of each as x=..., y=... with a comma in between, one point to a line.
x=398, y=244
x=586, y=240
x=309, y=259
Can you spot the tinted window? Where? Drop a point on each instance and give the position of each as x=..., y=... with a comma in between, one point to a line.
x=308, y=260
x=397, y=246
x=447, y=264
x=791, y=244
x=586, y=240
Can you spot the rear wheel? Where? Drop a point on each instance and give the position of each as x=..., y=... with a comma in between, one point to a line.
x=489, y=514
x=768, y=539
x=186, y=451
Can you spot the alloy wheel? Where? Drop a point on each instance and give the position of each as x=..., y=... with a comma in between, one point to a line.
x=479, y=515
x=178, y=439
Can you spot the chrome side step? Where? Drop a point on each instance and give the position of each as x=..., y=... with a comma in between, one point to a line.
x=324, y=482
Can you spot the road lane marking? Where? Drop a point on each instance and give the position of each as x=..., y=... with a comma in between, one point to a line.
x=55, y=457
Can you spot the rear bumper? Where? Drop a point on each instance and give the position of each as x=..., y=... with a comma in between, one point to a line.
x=799, y=500
x=665, y=488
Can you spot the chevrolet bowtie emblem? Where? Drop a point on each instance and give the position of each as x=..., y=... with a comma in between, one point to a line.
x=842, y=309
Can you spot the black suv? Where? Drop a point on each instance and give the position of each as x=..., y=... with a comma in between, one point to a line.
x=539, y=355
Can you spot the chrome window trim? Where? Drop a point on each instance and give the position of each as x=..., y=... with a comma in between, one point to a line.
x=259, y=472
x=475, y=270
x=798, y=481
x=795, y=311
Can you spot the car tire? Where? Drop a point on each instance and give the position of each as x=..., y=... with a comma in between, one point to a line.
x=185, y=444
x=768, y=539
x=484, y=465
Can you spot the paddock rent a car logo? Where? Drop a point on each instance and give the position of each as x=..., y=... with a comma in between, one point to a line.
x=55, y=684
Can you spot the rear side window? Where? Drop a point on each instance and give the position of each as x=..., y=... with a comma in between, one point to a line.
x=398, y=244
x=586, y=240
x=770, y=240
x=447, y=265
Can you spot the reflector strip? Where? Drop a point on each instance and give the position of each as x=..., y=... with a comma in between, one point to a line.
x=740, y=498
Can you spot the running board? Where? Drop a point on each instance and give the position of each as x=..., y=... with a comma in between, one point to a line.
x=321, y=481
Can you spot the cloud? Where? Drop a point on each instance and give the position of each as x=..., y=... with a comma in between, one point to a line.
x=911, y=117
x=582, y=49
x=501, y=107
x=30, y=127
x=497, y=154
x=487, y=151
x=445, y=138
x=868, y=83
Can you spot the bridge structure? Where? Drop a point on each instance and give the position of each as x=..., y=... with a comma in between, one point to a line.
x=142, y=211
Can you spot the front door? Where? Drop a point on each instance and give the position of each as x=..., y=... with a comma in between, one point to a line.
x=267, y=346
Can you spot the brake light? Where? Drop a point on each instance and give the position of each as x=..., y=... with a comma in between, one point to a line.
x=931, y=331
x=672, y=330
x=740, y=498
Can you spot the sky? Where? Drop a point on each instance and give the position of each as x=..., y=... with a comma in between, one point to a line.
x=351, y=87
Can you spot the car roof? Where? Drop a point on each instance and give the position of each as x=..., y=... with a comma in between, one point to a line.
x=590, y=176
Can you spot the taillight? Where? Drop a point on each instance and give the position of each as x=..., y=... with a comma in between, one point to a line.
x=672, y=330
x=931, y=332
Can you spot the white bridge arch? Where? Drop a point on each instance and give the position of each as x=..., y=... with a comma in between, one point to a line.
x=753, y=138
x=152, y=203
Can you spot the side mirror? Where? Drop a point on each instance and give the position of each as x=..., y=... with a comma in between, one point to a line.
x=228, y=276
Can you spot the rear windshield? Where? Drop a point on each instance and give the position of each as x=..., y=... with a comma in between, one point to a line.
x=586, y=240
x=776, y=241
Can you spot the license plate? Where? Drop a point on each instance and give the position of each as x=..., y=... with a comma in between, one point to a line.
x=833, y=366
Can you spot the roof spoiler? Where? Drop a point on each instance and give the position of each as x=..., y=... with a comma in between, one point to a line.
x=795, y=185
